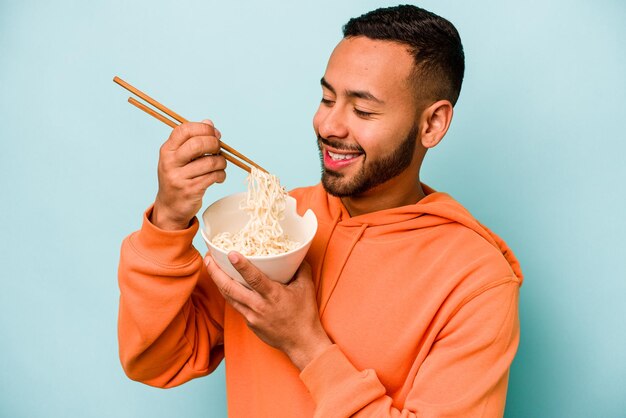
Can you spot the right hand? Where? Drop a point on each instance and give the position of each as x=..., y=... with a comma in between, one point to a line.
x=185, y=172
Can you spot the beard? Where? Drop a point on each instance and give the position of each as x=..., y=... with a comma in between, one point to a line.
x=372, y=173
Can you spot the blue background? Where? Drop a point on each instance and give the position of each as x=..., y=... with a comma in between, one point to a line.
x=536, y=152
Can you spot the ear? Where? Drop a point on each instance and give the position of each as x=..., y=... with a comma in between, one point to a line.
x=434, y=122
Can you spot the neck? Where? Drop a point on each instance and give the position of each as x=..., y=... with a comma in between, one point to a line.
x=385, y=196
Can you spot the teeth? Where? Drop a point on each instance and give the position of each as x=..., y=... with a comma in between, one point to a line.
x=336, y=156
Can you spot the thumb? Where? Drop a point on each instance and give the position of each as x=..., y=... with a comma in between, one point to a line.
x=251, y=274
x=303, y=276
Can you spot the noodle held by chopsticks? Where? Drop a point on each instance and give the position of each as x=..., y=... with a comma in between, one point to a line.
x=262, y=234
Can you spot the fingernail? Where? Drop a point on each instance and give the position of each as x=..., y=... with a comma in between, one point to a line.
x=208, y=121
x=207, y=261
x=232, y=257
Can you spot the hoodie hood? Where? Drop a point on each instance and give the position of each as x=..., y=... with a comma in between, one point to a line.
x=435, y=209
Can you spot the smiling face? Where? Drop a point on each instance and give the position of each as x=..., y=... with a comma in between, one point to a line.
x=367, y=121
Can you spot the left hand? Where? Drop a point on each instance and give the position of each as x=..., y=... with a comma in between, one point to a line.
x=285, y=316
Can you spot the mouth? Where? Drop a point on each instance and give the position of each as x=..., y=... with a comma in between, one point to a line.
x=338, y=156
x=337, y=159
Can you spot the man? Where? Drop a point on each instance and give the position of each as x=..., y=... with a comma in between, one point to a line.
x=405, y=305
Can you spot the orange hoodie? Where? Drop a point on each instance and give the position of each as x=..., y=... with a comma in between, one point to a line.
x=421, y=302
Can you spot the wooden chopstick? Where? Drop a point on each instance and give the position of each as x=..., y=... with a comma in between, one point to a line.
x=180, y=119
x=149, y=111
x=173, y=124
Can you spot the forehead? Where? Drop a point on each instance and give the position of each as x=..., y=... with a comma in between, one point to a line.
x=381, y=67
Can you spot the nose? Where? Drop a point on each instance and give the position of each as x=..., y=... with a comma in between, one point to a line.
x=331, y=122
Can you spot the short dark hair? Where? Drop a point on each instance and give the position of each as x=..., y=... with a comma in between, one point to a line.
x=432, y=40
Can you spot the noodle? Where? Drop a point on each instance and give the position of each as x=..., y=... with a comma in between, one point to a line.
x=262, y=235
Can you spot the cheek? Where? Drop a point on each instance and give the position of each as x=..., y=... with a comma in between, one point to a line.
x=377, y=138
x=370, y=136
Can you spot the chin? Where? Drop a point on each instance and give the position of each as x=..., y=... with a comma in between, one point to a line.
x=338, y=186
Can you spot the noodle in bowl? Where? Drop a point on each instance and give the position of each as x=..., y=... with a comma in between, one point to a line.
x=264, y=226
x=262, y=235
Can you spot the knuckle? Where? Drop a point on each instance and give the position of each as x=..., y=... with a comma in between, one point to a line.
x=202, y=129
x=273, y=297
x=183, y=130
x=202, y=183
x=173, y=135
x=213, y=163
x=195, y=146
x=207, y=128
x=256, y=306
x=220, y=162
x=165, y=151
x=213, y=144
x=214, y=177
x=251, y=277
x=226, y=289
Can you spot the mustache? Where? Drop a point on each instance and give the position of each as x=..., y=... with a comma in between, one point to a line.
x=340, y=146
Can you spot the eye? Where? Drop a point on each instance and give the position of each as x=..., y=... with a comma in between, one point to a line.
x=327, y=102
x=362, y=114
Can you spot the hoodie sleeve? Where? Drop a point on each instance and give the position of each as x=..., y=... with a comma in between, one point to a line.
x=464, y=375
x=170, y=324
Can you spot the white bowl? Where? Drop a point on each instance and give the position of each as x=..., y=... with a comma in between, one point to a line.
x=224, y=215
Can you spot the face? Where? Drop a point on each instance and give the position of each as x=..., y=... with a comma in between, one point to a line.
x=366, y=123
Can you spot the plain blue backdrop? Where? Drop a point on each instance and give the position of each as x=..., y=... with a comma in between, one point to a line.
x=536, y=152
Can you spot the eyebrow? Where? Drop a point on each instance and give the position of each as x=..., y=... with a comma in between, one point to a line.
x=359, y=94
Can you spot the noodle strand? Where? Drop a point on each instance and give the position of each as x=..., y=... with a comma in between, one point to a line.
x=265, y=202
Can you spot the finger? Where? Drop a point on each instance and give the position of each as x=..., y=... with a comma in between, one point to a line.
x=232, y=290
x=196, y=147
x=241, y=308
x=204, y=165
x=218, y=134
x=252, y=275
x=206, y=180
x=187, y=130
